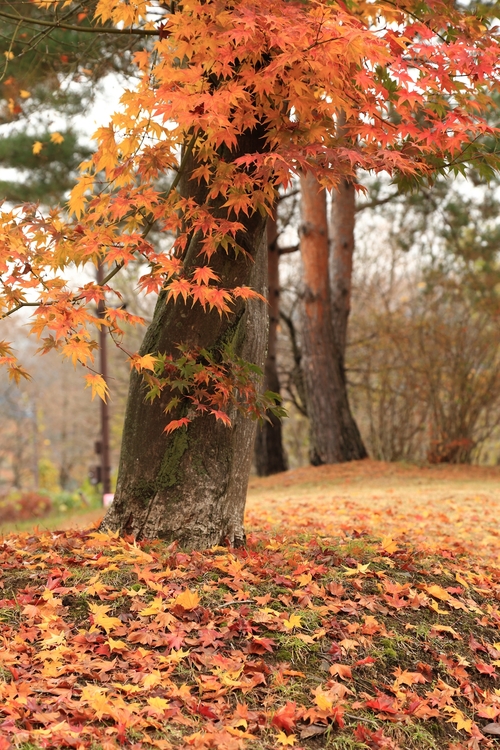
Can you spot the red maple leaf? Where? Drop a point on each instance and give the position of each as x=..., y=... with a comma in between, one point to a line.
x=384, y=703
x=284, y=718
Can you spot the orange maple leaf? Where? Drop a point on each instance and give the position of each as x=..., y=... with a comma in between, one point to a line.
x=175, y=424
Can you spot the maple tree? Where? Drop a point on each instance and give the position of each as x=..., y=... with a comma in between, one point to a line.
x=231, y=100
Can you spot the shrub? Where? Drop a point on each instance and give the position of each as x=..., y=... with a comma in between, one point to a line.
x=22, y=506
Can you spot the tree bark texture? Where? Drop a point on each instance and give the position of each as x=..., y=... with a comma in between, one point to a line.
x=190, y=485
x=341, y=259
x=334, y=434
x=270, y=457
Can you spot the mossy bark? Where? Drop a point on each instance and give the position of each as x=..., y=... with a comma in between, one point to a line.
x=190, y=485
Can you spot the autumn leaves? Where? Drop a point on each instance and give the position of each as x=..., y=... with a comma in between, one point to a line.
x=107, y=642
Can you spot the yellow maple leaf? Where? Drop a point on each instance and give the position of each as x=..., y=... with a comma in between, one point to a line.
x=156, y=606
x=101, y=618
x=461, y=722
x=37, y=147
x=322, y=700
x=174, y=656
x=152, y=679
x=95, y=586
x=97, y=699
x=144, y=363
x=292, y=622
x=388, y=545
x=78, y=350
x=437, y=592
x=229, y=679
x=24, y=94
x=446, y=629
x=187, y=600
x=158, y=704
x=354, y=571
x=77, y=196
x=98, y=385
x=117, y=645
x=57, y=138
x=283, y=739
x=435, y=606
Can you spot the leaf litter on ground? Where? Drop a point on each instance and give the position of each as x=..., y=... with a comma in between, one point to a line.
x=305, y=639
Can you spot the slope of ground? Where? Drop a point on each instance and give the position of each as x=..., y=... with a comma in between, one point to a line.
x=379, y=632
x=457, y=507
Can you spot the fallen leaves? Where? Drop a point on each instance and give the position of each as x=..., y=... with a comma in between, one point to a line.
x=106, y=642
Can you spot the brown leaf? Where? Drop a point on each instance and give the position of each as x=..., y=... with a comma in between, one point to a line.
x=493, y=728
x=313, y=731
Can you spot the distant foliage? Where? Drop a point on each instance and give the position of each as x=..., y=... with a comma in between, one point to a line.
x=23, y=506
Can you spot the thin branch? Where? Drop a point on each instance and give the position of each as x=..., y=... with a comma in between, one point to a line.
x=83, y=29
x=9, y=52
x=287, y=250
x=287, y=195
x=377, y=202
x=18, y=307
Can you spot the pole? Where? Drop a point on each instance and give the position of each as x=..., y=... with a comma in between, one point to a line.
x=36, y=457
x=105, y=457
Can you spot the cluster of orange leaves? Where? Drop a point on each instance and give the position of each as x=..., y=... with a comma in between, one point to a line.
x=410, y=79
x=109, y=643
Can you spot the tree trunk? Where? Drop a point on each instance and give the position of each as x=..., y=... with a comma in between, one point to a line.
x=343, y=219
x=334, y=433
x=270, y=456
x=190, y=485
x=342, y=251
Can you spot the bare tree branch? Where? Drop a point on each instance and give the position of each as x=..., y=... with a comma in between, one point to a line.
x=82, y=29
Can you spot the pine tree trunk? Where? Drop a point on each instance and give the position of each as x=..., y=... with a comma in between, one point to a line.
x=343, y=220
x=334, y=434
x=190, y=485
x=270, y=456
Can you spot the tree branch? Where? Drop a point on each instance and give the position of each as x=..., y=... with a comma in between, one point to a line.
x=287, y=250
x=377, y=202
x=83, y=29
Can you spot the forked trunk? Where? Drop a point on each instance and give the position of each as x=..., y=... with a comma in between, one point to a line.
x=334, y=434
x=270, y=456
x=190, y=485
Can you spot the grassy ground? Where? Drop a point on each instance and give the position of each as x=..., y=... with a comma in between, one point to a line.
x=363, y=616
